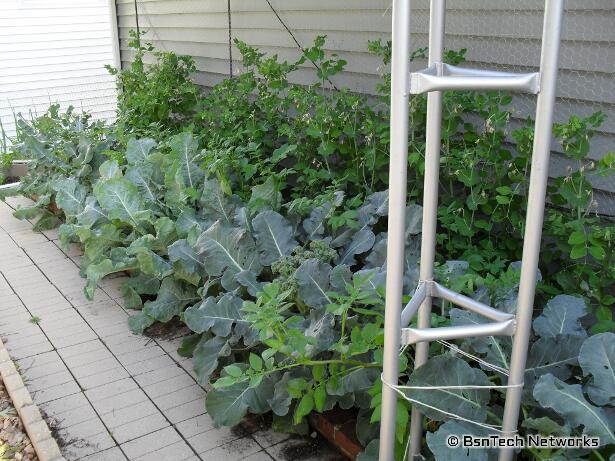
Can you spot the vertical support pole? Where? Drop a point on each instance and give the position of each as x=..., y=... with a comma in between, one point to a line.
x=535, y=213
x=430, y=203
x=400, y=79
x=230, y=39
x=137, y=21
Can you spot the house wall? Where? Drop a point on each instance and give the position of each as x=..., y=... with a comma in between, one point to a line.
x=54, y=51
x=503, y=34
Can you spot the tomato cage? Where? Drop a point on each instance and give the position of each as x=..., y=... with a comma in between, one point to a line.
x=434, y=80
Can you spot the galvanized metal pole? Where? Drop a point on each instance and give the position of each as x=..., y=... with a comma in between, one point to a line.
x=430, y=203
x=400, y=76
x=535, y=213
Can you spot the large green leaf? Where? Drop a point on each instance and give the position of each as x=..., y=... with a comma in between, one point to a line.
x=110, y=169
x=137, y=150
x=374, y=206
x=184, y=149
x=172, y=298
x=119, y=261
x=274, y=236
x=85, y=152
x=280, y=400
x=553, y=355
x=70, y=196
x=134, y=287
x=371, y=451
x=366, y=431
x=10, y=191
x=438, y=442
x=38, y=151
x=205, y=356
x=496, y=350
x=361, y=242
x=341, y=275
x=371, y=279
x=216, y=204
x=378, y=256
x=414, y=220
x=357, y=381
x=140, y=176
x=139, y=322
x=47, y=221
x=248, y=280
x=186, y=261
x=99, y=240
x=322, y=329
x=121, y=200
x=32, y=211
x=166, y=234
x=314, y=225
x=150, y=263
x=176, y=195
x=91, y=213
x=569, y=402
x=67, y=234
x=217, y=316
x=545, y=426
x=188, y=223
x=561, y=315
x=228, y=406
x=266, y=196
x=467, y=403
x=597, y=358
x=313, y=282
x=227, y=251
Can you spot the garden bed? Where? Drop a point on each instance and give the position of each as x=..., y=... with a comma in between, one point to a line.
x=10, y=177
x=18, y=169
x=265, y=234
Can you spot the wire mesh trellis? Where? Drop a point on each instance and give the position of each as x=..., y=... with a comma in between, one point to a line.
x=503, y=35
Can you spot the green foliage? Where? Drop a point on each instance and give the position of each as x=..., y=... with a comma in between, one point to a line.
x=154, y=97
x=559, y=348
x=35, y=320
x=257, y=215
x=313, y=138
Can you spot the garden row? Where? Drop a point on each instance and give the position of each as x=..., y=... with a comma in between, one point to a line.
x=256, y=214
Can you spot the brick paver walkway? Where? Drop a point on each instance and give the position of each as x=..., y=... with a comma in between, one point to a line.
x=109, y=394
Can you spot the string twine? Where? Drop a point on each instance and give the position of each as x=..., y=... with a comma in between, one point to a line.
x=491, y=427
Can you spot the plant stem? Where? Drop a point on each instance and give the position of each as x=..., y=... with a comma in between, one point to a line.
x=597, y=454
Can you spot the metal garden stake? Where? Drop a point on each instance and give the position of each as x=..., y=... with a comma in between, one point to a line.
x=439, y=77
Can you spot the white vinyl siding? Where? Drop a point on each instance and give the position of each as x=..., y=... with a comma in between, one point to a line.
x=55, y=52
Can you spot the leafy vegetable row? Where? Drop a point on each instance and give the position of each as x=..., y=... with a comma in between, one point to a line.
x=262, y=227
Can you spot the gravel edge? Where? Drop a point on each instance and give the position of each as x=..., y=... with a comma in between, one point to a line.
x=44, y=444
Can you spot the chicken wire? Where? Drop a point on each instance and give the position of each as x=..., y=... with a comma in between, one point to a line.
x=506, y=35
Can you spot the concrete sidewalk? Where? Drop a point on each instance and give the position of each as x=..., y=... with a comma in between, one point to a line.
x=109, y=394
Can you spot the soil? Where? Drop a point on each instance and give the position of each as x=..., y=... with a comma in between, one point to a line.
x=301, y=448
x=309, y=449
x=9, y=180
x=54, y=427
x=169, y=330
x=14, y=442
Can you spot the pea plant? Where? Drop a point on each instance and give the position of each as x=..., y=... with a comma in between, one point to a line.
x=155, y=93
